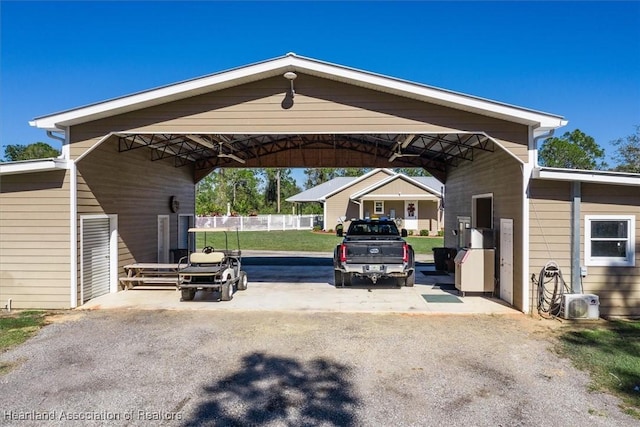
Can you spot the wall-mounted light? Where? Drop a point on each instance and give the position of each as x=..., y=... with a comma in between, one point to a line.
x=291, y=76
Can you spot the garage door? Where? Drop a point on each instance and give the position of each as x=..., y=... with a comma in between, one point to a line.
x=95, y=271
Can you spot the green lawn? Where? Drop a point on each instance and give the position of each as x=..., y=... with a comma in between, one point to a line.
x=16, y=329
x=610, y=352
x=297, y=241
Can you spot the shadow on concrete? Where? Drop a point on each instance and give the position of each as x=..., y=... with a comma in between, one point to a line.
x=281, y=391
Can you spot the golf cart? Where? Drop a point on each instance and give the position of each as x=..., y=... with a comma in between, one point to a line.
x=211, y=269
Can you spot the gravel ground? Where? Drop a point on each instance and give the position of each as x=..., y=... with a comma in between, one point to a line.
x=187, y=368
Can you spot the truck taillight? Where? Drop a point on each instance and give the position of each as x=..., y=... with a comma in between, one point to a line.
x=343, y=253
x=405, y=253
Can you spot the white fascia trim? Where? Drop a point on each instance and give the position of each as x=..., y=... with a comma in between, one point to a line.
x=161, y=95
x=362, y=193
x=14, y=168
x=291, y=62
x=598, y=177
x=383, y=197
x=429, y=93
x=355, y=181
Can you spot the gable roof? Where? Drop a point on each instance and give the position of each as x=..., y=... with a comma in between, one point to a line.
x=318, y=193
x=434, y=189
x=321, y=192
x=331, y=187
x=541, y=122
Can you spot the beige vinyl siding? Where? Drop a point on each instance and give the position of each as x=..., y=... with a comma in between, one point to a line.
x=617, y=287
x=339, y=204
x=428, y=216
x=34, y=240
x=549, y=230
x=498, y=173
x=137, y=190
x=320, y=106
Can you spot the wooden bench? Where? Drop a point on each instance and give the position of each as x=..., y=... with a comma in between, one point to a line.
x=149, y=274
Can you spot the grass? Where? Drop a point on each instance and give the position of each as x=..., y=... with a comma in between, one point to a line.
x=611, y=354
x=297, y=241
x=16, y=329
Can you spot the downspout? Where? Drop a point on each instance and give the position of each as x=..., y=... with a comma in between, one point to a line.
x=526, y=177
x=576, y=199
x=73, y=219
x=64, y=152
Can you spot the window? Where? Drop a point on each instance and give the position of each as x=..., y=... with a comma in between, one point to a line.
x=378, y=208
x=610, y=240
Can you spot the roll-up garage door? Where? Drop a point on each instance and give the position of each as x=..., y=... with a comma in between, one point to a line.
x=95, y=258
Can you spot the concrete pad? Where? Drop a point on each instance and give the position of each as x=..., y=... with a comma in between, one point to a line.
x=310, y=288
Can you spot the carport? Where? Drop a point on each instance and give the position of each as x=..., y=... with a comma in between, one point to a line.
x=125, y=159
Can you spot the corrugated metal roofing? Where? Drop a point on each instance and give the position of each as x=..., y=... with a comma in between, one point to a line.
x=318, y=192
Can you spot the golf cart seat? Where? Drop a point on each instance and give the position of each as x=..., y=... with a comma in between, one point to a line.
x=198, y=258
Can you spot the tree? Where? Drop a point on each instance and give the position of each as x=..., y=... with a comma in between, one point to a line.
x=316, y=176
x=628, y=154
x=412, y=171
x=38, y=150
x=573, y=150
x=288, y=188
x=237, y=187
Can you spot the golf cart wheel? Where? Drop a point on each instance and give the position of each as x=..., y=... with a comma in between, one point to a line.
x=226, y=291
x=242, y=281
x=187, y=294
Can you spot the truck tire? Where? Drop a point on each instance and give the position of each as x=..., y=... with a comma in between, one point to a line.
x=411, y=279
x=337, y=278
x=226, y=291
x=242, y=281
x=187, y=294
x=341, y=279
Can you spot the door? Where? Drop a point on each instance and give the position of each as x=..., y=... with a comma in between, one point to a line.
x=95, y=260
x=163, y=238
x=506, y=260
x=411, y=214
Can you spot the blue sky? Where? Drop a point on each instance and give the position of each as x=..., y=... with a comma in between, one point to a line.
x=580, y=60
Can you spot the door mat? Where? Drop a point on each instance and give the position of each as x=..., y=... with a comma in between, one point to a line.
x=435, y=273
x=441, y=298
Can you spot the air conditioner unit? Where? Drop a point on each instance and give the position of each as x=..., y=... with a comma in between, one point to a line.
x=580, y=306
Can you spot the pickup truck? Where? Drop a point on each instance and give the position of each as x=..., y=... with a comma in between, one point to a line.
x=373, y=249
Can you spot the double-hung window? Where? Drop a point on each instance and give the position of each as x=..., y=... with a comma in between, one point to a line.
x=378, y=207
x=610, y=240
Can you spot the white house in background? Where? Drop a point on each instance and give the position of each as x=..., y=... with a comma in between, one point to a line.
x=379, y=193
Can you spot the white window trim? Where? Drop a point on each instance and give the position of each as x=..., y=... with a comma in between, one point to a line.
x=474, y=214
x=630, y=261
x=375, y=210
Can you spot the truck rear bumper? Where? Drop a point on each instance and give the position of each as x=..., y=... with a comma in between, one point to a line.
x=378, y=270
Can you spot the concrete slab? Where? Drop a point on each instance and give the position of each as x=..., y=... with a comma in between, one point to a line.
x=308, y=286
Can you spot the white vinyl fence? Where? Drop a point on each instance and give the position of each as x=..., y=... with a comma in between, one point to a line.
x=260, y=222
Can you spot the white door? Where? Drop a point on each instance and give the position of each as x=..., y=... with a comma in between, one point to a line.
x=95, y=271
x=410, y=214
x=506, y=260
x=163, y=238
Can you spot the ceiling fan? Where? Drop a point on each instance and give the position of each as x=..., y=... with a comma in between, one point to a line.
x=216, y=147
x=400, y=145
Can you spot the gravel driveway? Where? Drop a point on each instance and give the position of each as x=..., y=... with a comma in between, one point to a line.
x=129, y=367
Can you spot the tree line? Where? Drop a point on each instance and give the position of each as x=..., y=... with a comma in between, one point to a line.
x=264, y=191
